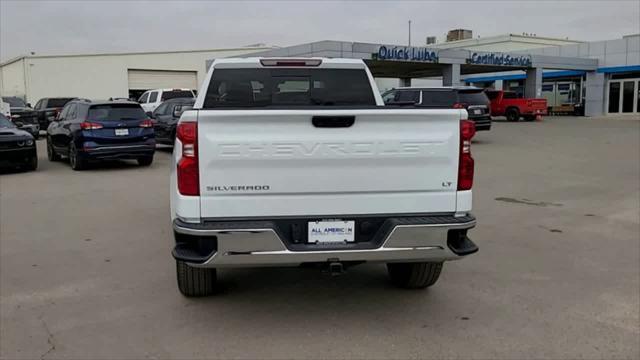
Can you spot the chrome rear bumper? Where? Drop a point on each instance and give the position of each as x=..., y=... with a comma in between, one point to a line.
x=258, y=245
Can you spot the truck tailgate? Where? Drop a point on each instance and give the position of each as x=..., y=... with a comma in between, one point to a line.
x=264, y=163
x=537, y=104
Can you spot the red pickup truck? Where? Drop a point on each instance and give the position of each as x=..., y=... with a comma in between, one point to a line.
x=507, y=103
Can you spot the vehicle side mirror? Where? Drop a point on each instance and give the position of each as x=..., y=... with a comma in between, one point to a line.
x=28, y=104
x=177, y=111
x=18, y=124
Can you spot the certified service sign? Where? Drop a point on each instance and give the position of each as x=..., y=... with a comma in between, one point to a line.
x=405, y=53
x=499, y=59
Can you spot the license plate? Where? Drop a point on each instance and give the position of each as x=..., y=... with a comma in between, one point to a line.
x=122, y=132
x=325, y=232
x=477, y=112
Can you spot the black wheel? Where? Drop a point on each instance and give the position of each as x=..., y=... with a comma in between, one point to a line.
x=193, y=281
x=145, y=161
x=414, y=275
x=32, y=163
x=512, y=114
x=76, y=162
x=51, y=153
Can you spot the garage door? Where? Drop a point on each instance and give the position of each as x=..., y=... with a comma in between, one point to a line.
x=160, y=79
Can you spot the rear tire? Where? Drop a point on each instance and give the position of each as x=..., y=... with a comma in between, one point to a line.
x=414, y=275
x=145, y=161
x=51, y=153
x=512, y=114
x=77, y=163
x=193, y=282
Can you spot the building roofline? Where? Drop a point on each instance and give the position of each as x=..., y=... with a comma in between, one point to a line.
x=132, y=53
x=498, y=38
x=12, y=60
x=544, y=38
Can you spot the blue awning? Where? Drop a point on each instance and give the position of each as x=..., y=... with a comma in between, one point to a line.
x=618, y=69
x=545, y=75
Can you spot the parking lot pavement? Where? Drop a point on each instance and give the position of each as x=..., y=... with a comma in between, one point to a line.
x=86, y=270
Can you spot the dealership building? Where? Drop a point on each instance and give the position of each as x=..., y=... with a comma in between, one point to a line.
x=596, y=78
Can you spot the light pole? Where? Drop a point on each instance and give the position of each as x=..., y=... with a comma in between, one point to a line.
x=409, y=32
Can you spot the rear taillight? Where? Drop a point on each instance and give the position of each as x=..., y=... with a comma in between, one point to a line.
x=459, y=105
x=188, y=173
x=86, y=125
x=146, y=123
x=465, y=165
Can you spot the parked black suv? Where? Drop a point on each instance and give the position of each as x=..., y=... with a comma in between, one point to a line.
x=473, y=99
x=48, y=108
x=166, y=117
x=23, y=115
x=17, y=147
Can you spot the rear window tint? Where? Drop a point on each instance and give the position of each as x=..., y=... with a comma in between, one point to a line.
x=58, y=103
x=492, y=94
x=438, y=98
x=166, y=95
x=288, y=87
x=473, y=97
x=116, y=112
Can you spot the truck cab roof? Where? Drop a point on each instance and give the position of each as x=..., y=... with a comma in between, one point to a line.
x=460, y=87
x=312, y=62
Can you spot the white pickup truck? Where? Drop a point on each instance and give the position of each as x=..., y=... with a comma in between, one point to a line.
x=284, y=162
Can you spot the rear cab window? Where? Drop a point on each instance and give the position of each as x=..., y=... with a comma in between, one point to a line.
x=153, y=96
x=492, y=94
x=58, y=102
x=286, y=87
x=172, y=94
x=116, y=112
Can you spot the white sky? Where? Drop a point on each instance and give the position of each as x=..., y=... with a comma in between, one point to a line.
x=62, y=27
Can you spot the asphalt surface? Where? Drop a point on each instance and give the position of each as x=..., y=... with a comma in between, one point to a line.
x=86, y=271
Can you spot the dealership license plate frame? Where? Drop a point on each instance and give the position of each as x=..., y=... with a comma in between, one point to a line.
x=331, y=231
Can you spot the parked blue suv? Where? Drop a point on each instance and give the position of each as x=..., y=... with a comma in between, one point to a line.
x=88, y=131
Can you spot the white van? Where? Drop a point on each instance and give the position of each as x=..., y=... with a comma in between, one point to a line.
x=151, y=99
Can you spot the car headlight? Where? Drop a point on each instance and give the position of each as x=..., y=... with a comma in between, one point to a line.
x=20, y=143
x=29, y=142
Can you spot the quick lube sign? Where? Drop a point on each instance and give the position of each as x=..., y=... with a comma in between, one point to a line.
x=405, y=53
x=499, y=59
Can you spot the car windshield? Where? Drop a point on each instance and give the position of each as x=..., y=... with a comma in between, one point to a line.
x=402, y=97
x=5, y=123
x=475, y=97
x=288, y=87
x=116, y=112
x=166, y=95
x=14, y=101
x=58, y=102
